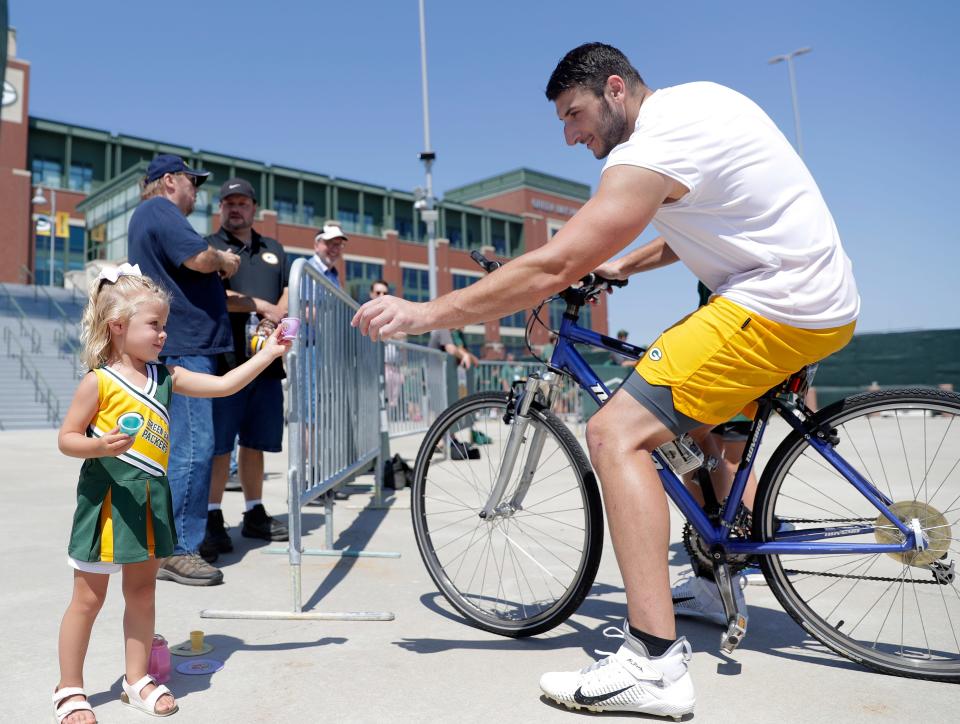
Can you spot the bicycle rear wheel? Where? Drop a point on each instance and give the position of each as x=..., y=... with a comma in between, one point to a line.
x=898, y=613
x=518, y=573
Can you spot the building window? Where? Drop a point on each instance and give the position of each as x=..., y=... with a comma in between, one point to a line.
x=516, y=238
x=81, y=177
x=498, y=236
x=454, y=226
x=403, y=219
x=416, y=285
x=517, y=319
x=286, y=209
x=360, y=275
x=348, y=209
x=474, y=231
x=462, y=281
x=47, y=172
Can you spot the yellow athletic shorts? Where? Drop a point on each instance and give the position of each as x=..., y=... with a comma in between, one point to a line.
x=721, y=358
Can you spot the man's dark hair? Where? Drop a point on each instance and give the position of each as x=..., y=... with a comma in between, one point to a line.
x=378, y=281
x=589, y=66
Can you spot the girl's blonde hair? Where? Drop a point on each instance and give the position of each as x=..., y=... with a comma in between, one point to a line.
x=110, y=302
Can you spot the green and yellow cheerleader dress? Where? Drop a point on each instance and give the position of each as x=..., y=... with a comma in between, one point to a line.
x=124, y=506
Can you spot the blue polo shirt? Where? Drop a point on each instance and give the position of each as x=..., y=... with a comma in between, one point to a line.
x=160, y=239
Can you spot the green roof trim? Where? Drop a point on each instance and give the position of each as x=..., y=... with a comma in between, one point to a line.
x=519, y=178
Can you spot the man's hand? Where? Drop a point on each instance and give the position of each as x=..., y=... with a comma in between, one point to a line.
x=611, y=270
x=229, y=263
x=466, y=361
x=269, y=311
x=383, y=317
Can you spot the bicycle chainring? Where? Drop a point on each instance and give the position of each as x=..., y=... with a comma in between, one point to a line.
x=699, y=551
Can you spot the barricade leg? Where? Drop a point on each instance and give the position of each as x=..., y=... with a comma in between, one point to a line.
x=327, y=447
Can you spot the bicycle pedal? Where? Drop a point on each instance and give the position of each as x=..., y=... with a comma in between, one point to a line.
x=736, y=630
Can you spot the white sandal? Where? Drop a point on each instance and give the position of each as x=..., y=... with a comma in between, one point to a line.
x=62, y=712
x=131, y=696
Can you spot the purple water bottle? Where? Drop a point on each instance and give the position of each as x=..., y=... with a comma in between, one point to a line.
x=159, y=665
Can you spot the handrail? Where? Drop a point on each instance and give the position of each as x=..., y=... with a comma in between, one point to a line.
x=31, y=278
x=61, y=337
x=26, y=328
x=42, y=391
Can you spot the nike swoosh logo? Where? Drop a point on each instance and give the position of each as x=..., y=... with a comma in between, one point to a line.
x=233, y=186
x=585, y=700
x=682, y=599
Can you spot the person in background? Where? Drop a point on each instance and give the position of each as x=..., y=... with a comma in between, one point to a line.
x=170, y=251
x=255, y=413
x=327, y=247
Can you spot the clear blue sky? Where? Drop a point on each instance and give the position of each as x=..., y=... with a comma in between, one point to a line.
x=335, y=87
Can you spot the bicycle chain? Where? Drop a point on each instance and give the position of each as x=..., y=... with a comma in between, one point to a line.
x=827, y=574
x=883, y=579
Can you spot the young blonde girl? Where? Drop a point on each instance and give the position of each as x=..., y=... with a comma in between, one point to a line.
x=124, y=520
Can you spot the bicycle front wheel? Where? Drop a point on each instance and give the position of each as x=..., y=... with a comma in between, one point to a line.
x=526, y=568
x=898, y=613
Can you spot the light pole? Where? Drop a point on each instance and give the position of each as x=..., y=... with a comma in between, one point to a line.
x=38, y=200
x=427, y=205
x=793, y=89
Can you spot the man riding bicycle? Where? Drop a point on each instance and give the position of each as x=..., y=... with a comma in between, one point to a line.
x=735, y=203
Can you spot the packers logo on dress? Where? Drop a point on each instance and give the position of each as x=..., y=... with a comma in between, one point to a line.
x=655, y=354
x=269, y=257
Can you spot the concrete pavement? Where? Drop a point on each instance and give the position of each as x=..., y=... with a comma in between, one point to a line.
x=427, y=665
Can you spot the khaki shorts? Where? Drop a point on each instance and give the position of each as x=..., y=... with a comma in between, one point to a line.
x=721, y=358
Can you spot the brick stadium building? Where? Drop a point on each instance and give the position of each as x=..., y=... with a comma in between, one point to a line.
x=94, y=175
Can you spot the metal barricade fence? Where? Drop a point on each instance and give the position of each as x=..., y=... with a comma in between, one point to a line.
x=499, y=376
x=415, y=387
x=335, y=425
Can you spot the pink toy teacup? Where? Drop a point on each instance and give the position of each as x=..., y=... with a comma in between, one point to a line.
x=289, y=327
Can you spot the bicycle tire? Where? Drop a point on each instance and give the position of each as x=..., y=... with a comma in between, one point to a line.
x=928, y=647
x=508, y=617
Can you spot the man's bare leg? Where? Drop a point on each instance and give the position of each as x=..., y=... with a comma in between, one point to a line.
x=250, y=469
x=218, y=478
x=619, y=436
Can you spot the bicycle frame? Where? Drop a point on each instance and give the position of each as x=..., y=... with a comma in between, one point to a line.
x=567, y=359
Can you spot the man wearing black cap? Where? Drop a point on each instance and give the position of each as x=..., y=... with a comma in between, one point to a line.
x=255, y=413
x=170, y=251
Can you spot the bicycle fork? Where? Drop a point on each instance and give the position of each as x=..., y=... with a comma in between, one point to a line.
x=543, y=386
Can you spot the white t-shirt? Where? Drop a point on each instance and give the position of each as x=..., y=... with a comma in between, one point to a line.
x=753, y=227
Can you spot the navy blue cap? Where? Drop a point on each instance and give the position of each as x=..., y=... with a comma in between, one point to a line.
x=168, y=163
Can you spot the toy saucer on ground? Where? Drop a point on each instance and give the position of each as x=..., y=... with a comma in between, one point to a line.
x=185, y=649
x=199, y=666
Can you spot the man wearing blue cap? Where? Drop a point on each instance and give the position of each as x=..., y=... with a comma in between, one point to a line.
x=169, y=250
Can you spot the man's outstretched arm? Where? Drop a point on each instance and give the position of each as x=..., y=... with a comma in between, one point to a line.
x=624, y=204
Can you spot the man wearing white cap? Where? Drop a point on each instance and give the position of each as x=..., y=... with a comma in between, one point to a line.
x=327, y=247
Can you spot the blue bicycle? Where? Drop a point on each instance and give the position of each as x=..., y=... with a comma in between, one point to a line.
x=852, y=524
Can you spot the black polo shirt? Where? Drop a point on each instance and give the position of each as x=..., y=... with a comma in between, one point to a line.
x=262, y=274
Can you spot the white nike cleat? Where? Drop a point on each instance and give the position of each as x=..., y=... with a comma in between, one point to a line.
x=700, y=597
x=628, y=681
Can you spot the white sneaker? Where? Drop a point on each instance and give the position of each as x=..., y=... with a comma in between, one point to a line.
x=628, y=681
x=700, y=597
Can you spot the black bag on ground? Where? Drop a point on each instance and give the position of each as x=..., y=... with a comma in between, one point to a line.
x=463, y=450
x=397, y=474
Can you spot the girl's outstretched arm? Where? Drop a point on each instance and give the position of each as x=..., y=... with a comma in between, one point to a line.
x=73, y=440
x=198, y=384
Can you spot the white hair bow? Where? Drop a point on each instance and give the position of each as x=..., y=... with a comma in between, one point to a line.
x=112, y=273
